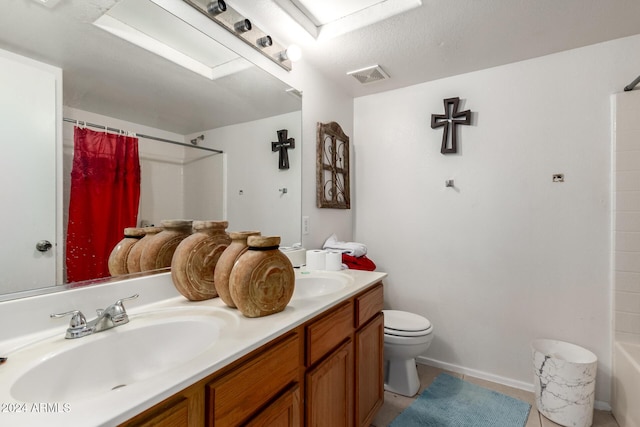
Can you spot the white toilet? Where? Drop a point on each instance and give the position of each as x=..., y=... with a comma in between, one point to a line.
x=406, y=335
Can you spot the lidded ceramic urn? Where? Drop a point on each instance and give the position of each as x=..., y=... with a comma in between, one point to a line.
x=158, y=252
x=133, y=259
x=196, y=257
x=262, y=280
x=228, y=258
x=118, y=257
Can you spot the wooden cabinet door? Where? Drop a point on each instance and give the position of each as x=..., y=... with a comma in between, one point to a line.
x=369, y=368
x=329, y=387
x=284, y=412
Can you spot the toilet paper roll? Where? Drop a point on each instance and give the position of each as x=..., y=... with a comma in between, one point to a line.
x=333, y=261
x=316, y=259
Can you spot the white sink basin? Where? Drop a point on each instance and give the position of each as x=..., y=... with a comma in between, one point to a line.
x=151, y=343
x=317, y=284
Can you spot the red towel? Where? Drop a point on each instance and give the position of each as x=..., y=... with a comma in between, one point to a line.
x=358, y=263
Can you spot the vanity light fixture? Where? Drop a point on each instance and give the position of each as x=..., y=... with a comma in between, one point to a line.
x=216, y=7
x=265, y=41
x=240, y=26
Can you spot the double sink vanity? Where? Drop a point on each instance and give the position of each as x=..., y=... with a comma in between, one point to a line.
x=182, y=363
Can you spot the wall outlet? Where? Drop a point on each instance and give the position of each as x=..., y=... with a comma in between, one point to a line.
x=305, y=225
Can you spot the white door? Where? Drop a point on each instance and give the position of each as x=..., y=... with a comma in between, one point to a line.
x=28, y=175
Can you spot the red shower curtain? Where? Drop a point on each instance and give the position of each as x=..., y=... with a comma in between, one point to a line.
x=105, y=191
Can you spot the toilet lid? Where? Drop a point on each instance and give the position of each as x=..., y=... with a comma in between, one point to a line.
x=401, y=322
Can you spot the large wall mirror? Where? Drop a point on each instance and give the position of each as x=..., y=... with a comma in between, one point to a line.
x=230, y=105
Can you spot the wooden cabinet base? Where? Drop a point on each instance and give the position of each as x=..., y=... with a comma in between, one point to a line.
x=326, y=372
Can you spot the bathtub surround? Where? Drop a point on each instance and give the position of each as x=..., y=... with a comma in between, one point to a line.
x=626, y=257
x=508, y=256
x=626, y=384
x=626, y=207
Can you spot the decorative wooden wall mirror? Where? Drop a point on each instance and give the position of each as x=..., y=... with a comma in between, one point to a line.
x=332, y=167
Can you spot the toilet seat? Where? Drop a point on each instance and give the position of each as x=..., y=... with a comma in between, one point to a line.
x=405, y=324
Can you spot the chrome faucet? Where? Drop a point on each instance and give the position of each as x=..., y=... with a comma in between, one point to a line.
x=110, y=317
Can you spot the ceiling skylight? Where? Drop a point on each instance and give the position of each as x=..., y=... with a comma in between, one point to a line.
x=331, y=18
x=149, y=26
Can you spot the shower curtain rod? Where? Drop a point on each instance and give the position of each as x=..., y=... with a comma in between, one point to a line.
x=139, y=135
x=632, y=84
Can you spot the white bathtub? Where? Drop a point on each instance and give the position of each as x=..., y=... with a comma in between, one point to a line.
x=626, y=384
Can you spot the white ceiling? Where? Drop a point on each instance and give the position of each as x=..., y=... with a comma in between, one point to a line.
x=440, y=38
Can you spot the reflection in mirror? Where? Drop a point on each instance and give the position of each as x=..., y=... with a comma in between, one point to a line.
x=114, y=83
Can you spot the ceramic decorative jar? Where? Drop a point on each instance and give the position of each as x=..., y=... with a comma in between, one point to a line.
x=195, y=259
x=262, y=280
x=118, y=257
x=228, y=258
x=158, y=252
x=133, y=258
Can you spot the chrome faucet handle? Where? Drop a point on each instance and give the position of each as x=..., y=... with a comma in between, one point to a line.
x=117, y=311
x=119, y=302
x=77, y=321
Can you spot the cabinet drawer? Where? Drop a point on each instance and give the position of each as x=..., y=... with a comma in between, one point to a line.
x=237, y=395
x=326, y=333
x=369, y=304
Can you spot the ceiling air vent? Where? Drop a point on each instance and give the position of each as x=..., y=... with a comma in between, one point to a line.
x=369, y=74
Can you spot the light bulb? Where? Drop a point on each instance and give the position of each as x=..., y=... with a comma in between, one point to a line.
x=293, y=53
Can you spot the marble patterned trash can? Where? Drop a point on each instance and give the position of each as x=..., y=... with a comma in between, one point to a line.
x=565, y=382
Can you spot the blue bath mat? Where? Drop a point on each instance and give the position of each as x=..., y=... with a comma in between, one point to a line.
x=452, y=402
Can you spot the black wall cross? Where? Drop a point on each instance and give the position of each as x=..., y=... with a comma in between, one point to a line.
x=450, y=121
x=283, y=145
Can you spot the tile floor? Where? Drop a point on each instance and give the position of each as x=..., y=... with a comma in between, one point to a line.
x=394, y=403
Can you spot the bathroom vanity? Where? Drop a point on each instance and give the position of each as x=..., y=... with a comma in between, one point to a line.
x=319, y=362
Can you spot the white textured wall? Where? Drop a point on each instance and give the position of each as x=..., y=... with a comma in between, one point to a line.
x=204, y=192
x=627, y=216
x=323, y=102
x=252, y=168
x=508, y=255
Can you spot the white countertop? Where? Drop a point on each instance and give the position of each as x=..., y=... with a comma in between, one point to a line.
x=115, y=406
